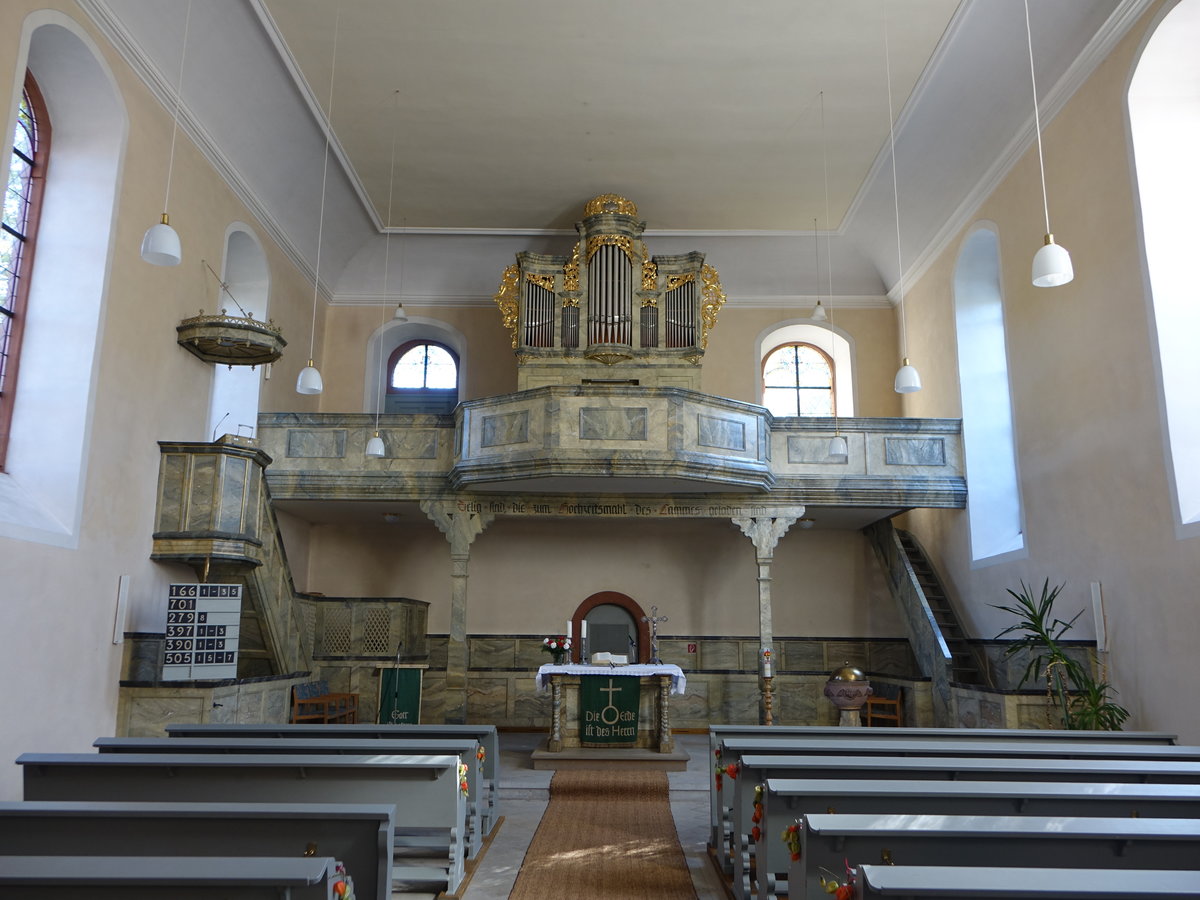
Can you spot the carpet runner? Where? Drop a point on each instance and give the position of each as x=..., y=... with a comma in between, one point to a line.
x=606, y=834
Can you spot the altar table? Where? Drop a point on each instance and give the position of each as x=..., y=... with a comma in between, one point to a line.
x=654, y=724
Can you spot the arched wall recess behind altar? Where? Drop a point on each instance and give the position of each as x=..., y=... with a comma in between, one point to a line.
x=608, y=607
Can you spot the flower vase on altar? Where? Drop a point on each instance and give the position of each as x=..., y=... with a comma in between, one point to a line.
x=558, y=646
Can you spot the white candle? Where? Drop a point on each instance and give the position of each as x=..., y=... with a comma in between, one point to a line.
x=568, y=627
x=583, y=630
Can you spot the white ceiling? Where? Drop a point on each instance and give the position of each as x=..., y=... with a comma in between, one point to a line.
x=508, y=117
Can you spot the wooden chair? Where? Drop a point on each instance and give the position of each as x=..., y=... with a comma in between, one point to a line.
x=885, y=707
x=312, y=702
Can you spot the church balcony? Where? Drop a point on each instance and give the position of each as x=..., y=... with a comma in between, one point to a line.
x=606, y=440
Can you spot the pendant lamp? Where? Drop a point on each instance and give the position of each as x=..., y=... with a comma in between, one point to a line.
x=310, y=381
x=818, y=313
x=907, y=378
x=839, y=451
x=1052, y=263
x=160, y=244
x=375, y=447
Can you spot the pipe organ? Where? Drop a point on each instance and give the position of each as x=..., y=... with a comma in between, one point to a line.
x=609, y=312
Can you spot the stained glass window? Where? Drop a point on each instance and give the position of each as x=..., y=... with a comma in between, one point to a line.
x=425, y=366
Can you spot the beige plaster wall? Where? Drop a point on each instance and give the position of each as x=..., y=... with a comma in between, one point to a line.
x=528, y=576
x=1085, y=400
x=57, y=606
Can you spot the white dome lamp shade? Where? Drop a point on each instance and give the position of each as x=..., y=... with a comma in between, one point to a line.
x=1052, y=265
x=160, y=245
x=818, y=313
x=838, y=450
x=400, y=315
x=908, y=379
x=375, y=448
x=310, y=381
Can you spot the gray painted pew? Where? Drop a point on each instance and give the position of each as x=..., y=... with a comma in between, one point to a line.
x=997, y=883
x=466, y=749
x=787, y=799
x=829, y=842
x=759, y=768
x=716, y=733
x=359, y=836
x=430, y=810
x=174, y=877
x=485, y=734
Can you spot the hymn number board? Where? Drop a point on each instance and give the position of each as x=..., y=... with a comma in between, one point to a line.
x=203, y=624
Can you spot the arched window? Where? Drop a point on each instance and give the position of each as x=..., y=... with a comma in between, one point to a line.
x=18, y=233
x=1164, y=116
x=422, y=378
x=798, y=380
x=994, y=502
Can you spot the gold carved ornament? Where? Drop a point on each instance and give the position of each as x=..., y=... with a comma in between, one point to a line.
x=610, y=203
x=676, y=281
x=620, y=241
x=508, y=300
x=649, y=271
x=713, y=300
x=542, y=281
x=571, y=272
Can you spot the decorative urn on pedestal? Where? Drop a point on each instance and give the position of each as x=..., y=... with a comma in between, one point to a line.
x=848, y=689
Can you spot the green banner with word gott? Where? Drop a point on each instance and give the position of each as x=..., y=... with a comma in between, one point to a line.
x=400, y=697
x=608, y=710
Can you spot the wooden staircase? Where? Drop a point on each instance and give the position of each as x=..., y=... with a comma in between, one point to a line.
x=964, y=668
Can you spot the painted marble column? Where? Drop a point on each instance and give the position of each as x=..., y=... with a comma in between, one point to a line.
x=461, y=529
x=765, y=532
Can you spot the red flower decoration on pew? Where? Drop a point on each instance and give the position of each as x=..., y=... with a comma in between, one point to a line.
x=756, y=834
x=791, y=837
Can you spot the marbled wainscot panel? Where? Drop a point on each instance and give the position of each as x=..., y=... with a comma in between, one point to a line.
x=838, y=653
x=202, y=486
x=492, y=653
x=625, y=423
x=173, y=469
x=909, y=451
x=675, y=653
x=437, y=651
x=890, y=658
x=691, y=710
x=149, y=715
x=530, y=655
x=715, y=654
x=322, y=443
x=740, y=702
x=802, y=656
x=250, y=706
x=795, y=701
x=487, y=699
x=991, y=712
x=433, y=697
x=504, y=429
x=223, y=708
x=531, y=707
x=966, y=706
x=720, y=433
x=277, y=705
x=410, y=444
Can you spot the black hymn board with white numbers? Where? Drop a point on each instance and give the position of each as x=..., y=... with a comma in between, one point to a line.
x=203, y=624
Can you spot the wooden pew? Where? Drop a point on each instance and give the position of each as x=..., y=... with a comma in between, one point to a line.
x=360, y=836
x=485, y=734
x=828, y=842
x=466, y=749
x=731, y=748
x=177, y=877
x=759, y=768
x=430, y=810
x=717, y=733
x=788, y=799
x=1003, y=883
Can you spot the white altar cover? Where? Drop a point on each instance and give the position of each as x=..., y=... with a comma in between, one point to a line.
x=678, y=679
